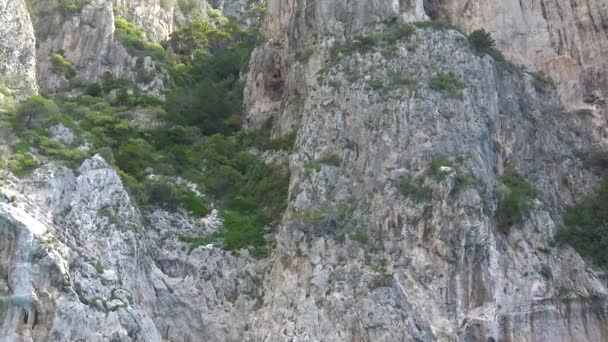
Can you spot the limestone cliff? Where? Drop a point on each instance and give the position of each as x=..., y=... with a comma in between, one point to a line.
x=405, y=136
x=446, y=271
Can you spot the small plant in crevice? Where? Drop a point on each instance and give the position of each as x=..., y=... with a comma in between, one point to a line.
x=332, y=160
x=461, y=182
x=414, y=189
x=546, y=272
x=449, y=84
x=542, y=81
x=439, y=166
x=516, y=195
x=382, y=278
x=361, y=236
x=438, y=25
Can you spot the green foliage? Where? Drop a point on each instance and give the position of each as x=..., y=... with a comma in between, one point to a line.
x=368, y=42
x=515, y=199
x=597, y=160
x=212, y=95
x=200, y=141
x=448, y=83
x=481, y=41
x=70, y=7
x=261, y=139
x=438, y=164
x=542, y=81
x=414, y=189
x=167, y=4
x=586, y=226
x=376, y=84
x=99, y=267
x=331, y=159
x=188, y=6
x=94, y=89
x=33, y=111
x=174, y=196
x=545, y=271
x=22, y=164
x=437, y=25
x=316, y=166
x=398, y=32
x=361, y=236
x=132, y=39
x=63, y=66
x=461, y=182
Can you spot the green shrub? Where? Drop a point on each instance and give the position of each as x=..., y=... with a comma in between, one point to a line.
x=63, y=66
x=70, y=7
x=438, y=25
x=438, y=164
x=448, y=83
x=545, y=271
x=94, y=89
x=542, y=81
x=462, y=182
x=368, y=42
x=515, y=199
x=173, y=196
x=129, y=34
x=361, y=236
x=597, y=160
x=33, y=111
x=22, y=164
x=316, y=166
x=398, y=32
x=376, y=84
x=586, y=226
x=414, y=189
x=331, y=159
x=481, y=41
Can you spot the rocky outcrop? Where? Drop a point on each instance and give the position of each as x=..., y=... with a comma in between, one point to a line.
x=126, y=276
x=17, y=51
x=87, y=39
x=565, y=39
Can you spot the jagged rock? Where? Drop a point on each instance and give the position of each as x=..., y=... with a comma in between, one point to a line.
x=17, y=50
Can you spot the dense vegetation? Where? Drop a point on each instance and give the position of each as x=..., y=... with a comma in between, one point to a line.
x=482, y=41
x=199, y=138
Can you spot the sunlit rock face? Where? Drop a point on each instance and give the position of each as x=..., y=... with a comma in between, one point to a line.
x=376, y=265
x=355, y=259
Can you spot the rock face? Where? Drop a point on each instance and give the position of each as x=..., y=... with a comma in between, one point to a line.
x=87, y=39
x=565, y=39
x=375, y=265
x=17, y=50
x=356, y=258
x=132, y=280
